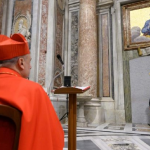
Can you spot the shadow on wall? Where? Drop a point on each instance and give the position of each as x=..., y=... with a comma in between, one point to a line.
x=148, y=114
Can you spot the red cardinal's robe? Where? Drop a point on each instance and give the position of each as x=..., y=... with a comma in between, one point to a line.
x=40, y=126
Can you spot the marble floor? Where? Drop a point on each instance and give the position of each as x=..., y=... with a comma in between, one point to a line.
x=112, y=137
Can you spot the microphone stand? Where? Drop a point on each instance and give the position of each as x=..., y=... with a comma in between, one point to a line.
x=50, y=87
x=66, y=114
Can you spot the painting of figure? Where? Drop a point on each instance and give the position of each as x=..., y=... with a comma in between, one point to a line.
x=136, y=36
x=136, y=25
x=146, y=28
x=140, y=26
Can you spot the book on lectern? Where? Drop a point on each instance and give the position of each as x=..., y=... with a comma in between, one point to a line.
x=77, y=87
x=82, y=88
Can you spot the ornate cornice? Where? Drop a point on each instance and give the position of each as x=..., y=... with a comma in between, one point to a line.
x=104, y=4
x=100, y=4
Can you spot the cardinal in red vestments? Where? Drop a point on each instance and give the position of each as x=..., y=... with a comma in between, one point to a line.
x=40, y=126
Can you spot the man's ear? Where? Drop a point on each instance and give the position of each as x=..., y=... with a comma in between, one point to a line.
x=21, y=63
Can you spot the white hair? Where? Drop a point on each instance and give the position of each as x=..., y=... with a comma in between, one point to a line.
x=9, y=62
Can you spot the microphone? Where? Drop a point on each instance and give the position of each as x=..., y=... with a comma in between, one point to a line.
x=59, y=58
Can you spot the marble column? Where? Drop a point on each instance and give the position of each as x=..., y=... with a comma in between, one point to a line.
x=87, y=54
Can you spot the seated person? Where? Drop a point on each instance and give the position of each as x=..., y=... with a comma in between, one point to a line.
x=40, y=126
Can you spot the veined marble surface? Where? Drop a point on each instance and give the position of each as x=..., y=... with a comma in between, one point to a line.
x=112, y=143
x=112, y=137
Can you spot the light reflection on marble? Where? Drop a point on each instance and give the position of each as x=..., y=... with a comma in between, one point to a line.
x=105, y=129
x=104, y=139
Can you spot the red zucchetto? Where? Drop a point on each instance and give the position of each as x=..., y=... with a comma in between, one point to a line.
x=12, y=47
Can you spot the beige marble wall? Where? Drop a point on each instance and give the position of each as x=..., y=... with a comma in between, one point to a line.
x=43, y=43
x=105, y=55
x=87, y=55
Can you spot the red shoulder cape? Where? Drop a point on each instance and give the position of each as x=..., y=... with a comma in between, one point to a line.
x=40, y=126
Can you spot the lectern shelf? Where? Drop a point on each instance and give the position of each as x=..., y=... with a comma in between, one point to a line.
x=71, y=90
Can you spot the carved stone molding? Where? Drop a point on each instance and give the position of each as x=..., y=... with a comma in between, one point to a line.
x=100, y=3
x=22, y=24
x=61, y=5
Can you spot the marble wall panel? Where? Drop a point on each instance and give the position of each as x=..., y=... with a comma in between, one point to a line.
x=74, y=49
x=105, y=53
x=1, y=14
x=58, y=45
x=43, y=43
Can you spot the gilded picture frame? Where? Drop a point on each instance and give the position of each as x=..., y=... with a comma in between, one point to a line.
x=136, y=25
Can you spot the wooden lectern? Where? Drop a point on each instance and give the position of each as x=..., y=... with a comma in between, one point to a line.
x=72, y=91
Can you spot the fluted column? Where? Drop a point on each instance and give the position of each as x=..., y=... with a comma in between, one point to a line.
x=87, y=55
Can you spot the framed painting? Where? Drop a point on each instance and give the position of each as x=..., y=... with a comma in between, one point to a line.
x=136, y=25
